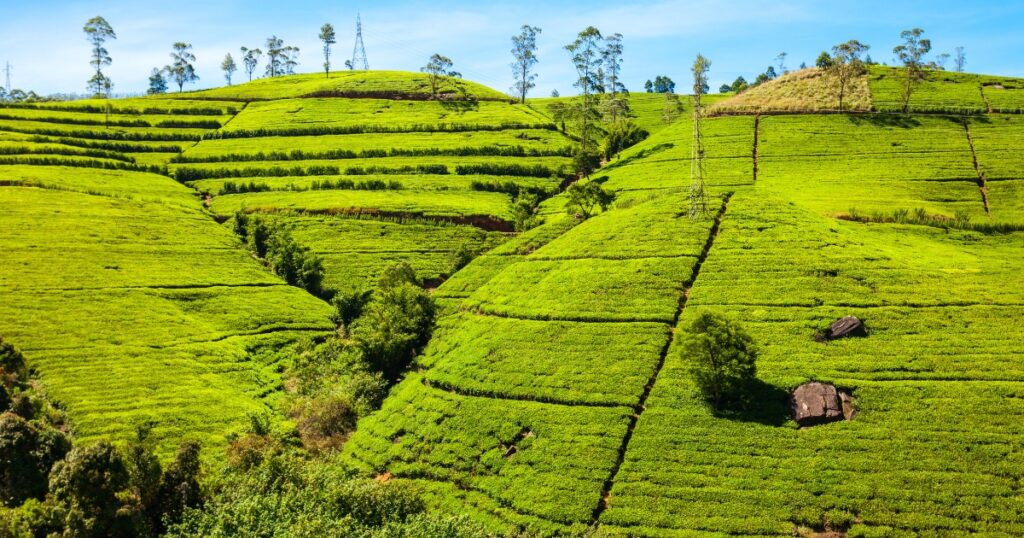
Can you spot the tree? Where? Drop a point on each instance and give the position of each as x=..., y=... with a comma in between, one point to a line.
x=780, y=61
x=621, y=135
x=524, y=54
x=88, y=484
x=394, y=325
x=157, y=82
x=328, y=38
x=824, y=61
x=290, y=58
x=770, y=73
x=435, y=69
x=721, y=358
x=97, y=32
x=181, y=69
x=251, y=59
x=229, y=67
x=739, y=84
x=724, y=88
x=959, y=60
x=524, y=211
x=586, y=58
x=911, y=55
x=144, y=473
x=611, y=60
x=761, y=79
x=672, y=108
x=584, y=199
x=941, y=59
x=846, y=65
x=649, y=86
x=663, y=84
x=179, y=485
x=27, y=452
x=275, y=56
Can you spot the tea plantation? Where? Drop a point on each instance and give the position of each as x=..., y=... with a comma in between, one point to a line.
x=552, y=397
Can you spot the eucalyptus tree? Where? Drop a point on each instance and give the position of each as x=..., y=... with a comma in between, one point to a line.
x=524, y=53
x=181, y=69
x=329, y=38
x=437, y=67
x=846, y=65
x=275, y=56
x=587, y=58
x=97, y=32
x=911, y=54
x=229, y=67
x=157, y=82
x=250, y=60
x=959, y=60
x=611, y=59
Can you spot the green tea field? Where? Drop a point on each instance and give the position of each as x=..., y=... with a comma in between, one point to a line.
x=554, y=394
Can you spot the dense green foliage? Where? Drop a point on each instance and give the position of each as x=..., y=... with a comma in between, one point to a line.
x=721, y=358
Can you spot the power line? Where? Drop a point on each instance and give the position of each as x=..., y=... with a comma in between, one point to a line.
x=359, y=50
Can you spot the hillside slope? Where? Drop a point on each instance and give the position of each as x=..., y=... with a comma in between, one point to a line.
x=132, y=304
x=552, y=399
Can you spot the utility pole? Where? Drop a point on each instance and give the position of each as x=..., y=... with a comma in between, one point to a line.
x=698, y=168
x=359, y=50
x=7, y=73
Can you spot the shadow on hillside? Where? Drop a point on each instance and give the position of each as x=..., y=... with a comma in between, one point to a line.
x=460, y=106
x=765, y=404
x=884, y=120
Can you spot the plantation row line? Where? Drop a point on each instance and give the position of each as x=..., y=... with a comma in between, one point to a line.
x=141, y=136
x=185, y=174
x=377, y=129
x=920, y=110
x=164, y=124
x=147, y=111
x=74, y=152
x=511, y=188
x=83, y=163
x=337, y=154
x=120, y=147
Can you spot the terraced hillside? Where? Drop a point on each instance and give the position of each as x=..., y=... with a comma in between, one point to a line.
x=132, y=304
x=552, y=397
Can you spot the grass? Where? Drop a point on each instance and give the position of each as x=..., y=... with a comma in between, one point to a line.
x=807, y=90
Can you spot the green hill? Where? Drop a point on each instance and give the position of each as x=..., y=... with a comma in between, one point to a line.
x=552, y=397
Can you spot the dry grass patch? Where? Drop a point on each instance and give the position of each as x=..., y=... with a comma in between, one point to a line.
x=807, y=90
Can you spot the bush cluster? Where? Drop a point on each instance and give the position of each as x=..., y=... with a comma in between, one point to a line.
x=506, y=169
x=185, y=174
x=335, y=154
x=81, y=163
x=147, y=111
x=124, y=147
x=272, y=243
x=78, y=152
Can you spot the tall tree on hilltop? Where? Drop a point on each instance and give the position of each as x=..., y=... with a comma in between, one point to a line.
x=275, y=56
x=911, y=55
x=586, y=58
x=780, y=60
x=846, y=65
x=959, y=60
x=97, y=32
x=698, y=169
x=290, y=58
x=157, y=82
x=328, y=38
x=437, y=67
x=250, y=60
x=524, y=51
x=611, y=59
x=229, y=67
x=181, y=69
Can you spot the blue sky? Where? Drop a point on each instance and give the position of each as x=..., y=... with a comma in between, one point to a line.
x=44, y=43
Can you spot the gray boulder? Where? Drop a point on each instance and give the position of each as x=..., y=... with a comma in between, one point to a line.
x=847, y=326
x=817, y=403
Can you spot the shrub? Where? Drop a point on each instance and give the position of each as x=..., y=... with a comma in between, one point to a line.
x=504, y=169
x=88, y=485
x=525, y=212
x=721, y=358
x=583, y=200
x=324, y=422
x=623, y=134
x=27, y=452
x=585, y=162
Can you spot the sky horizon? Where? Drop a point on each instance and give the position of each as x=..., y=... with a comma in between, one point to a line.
x=47, y=50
